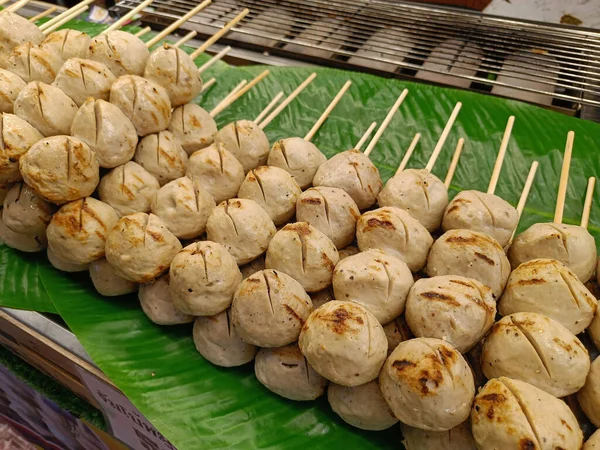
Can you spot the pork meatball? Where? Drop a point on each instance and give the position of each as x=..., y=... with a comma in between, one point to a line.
x=23, y=242
x=16, y=138
x=304, y=253
x=161, y=154
x=10, y=86
x=107, y=281
x=589, y=395
x=34, y=63
x=361, y=406
x=25, y=211
x=145, y=103
x=428, y=384
x=81, y=79
x=45, y=107
x=457, y=438
x=331, y=211
x=64, y=266
x=108, y=132
x=344, y=343
x=510, y=413
x=128, y=188
x=274, y=189
x=243, y=227
x=419, y=192
x=299, y=157
x=286, y=372
x=204, y=277
x=246, y=141
x=185, y=206
x=217, y=340
x=157, y=303
x=67, y=44
x=122, y=52
x=217, y=170
x=16, y=30
x=140, y=247
x=397, y=232
x=457, y=309
x=60, y=169
x=572, y=245
x=470, y=254
x=353, y=172
x=193, y=127
x=548, y=287
x=593, y=443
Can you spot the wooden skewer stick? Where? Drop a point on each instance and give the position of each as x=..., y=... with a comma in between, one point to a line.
x=143, y=31
x=454, y=163
x=524, y=196
x=386, y=122
x=178, y=23
x=65, y=19
x=236, y=89
x=408, y=154
x=214, y=59
x=442, y=140
x=365, y=136
x=564, y=178
x=287, y=101
x=268, y=108
x=17, y=6
x=2, y=3
x=219, y=34
x=240, y=93
x=327, y=111
x=501, y=153
x=43, y=14
x=208, y=84
x=65, y=13
x=587, y=205
x=123, y=20
x=191, y=35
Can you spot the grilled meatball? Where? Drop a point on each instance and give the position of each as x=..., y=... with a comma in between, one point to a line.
x=23, y=242
x=161, y=154
x=10, y=86
x=107, y=281
x=16, y=138
x=67, y=44
x=122, y=52
x=589, y=395
x=16, y=30
x=157, y=303
x=593, y=443
x=246, y=141
x=457, y=438
x=33, y=63
x=299, y=157
x=193, y=127
x=25, y=211
x=81, y=79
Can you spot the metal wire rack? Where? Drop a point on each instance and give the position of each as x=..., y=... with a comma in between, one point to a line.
x=550, y=65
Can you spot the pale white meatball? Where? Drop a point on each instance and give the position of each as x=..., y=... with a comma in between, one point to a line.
x=65, y=266
x=331, y=211
x=145, y=103
x=81, y=79
x=274, y=189
x=457, y=309
x=46, y=107
x=24, y=242
x=397, y=232
x=243, y=227
x=16, y=30
x=161, y=154
x=217, y=170
x=122, y=52
x=16, y=138
x=185, y=206
x=128, y=188
x=25, y=211
x=470, y=254
x=572, y=245
x=361, y=406
x=396, y=331
x=67, y=44
x=60, y=169
x=107, y=131
x=193, y=126
x=548, y=287
x=140, y=247
x=457, y=438
x=344, y=343
x=10, y=86
x=593, y=443
x=204, y=277
x=77, y=232
x=304, y=253
x=246, y=141
x=419, y=192
x=107, y=281
x=510, y=413
x=173, y=69
x=157, y=303
x=353, y=172
x=217, y=340
x=34, y=63
x=376, y=280
x=428, y=384
x=299, y=157
x=589, y=395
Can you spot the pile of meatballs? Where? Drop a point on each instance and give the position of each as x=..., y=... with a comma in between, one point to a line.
x=397, y=303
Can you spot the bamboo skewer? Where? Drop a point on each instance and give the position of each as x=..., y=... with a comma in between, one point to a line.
x=442, y=140
x=65, y=19
x=408, y=154
x=386, y=122
x=365, y=136
x=43, y=14
x=501, y=154
x=177, y=23
x=208, y=84
x=287, y=101
x=214, y=59
x=191, y=35
x=327, y=111
x=269, y=107
x=564, y=178
x=215, y=37
x=143, y=31
x=65, y=13
x=524, y=196
x=454, y=163
x=123, y=20
x=17, y=5
x=587, y=204
x=2, y=3
x=233, y=98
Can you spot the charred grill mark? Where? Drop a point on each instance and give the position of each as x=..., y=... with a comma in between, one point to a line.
x=311, y=200
x=462, y=283
x=291, y=366
x=531, y=281
x=338, y=320
x=374, y=222
x=293, y=313
x=402, y=364
x=436, y=296
x=486, y=259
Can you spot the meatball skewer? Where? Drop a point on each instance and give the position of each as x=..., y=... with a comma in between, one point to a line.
x=43, y=14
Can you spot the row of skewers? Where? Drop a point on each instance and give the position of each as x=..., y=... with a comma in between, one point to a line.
x=316, y=313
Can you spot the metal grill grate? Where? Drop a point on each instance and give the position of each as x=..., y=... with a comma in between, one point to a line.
x=555, y=66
